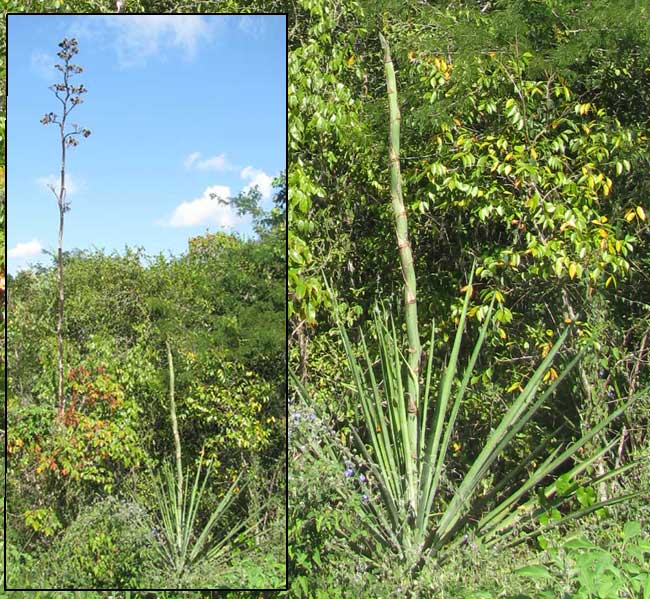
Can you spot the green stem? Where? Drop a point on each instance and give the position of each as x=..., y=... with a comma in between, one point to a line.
x=408, y=273
x=177, y=445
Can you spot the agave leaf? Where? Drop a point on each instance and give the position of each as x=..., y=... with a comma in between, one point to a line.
x=512, y=421
x=182, y=547
x=430, y=482
x=575, y=515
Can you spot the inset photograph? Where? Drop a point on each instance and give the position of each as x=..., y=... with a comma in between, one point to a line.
x=146, y=310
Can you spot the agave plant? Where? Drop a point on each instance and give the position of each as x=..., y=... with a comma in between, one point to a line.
x=408, y=466
x=407, y=426
x=181, y=545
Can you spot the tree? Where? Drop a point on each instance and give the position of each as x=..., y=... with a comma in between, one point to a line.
x=69, y=96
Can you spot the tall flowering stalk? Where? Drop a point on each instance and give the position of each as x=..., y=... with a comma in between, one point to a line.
x=408, y=273
x=70, y=96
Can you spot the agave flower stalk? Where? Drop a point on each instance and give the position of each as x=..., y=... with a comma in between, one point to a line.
x=69, y=96
x=177, y=445
x=408, y=274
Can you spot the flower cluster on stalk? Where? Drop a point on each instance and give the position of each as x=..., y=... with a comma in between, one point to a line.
x=72, y=92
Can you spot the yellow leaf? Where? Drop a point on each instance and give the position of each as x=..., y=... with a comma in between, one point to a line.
x=640, y=212
x=502, y=333
x=470, y=287
x=551, y=375
x=350, y=60
x=602, y=233
x=572, y=270
x=630, y=215
x=412, y=56
x=533, y=153
x=607, y=186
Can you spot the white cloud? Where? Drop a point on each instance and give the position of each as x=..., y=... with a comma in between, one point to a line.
x=138, y=37
x=191, y=159
x=205, y=210
x=43, y=64
x=72, y=186
x=26, y=249
x=216, y=163
x=253, y=25
x=259, y=178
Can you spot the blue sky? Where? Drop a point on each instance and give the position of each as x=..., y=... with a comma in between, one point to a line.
x=179, y=107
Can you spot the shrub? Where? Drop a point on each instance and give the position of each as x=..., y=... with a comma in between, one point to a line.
x=108, y=546
x=615, y=569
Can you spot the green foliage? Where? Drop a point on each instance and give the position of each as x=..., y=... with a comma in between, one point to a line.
x=618, y=569
x=109, y=545
x=528, y=159
x=324, y=530
x=266, y=573
x=324, y=125
x=229, y=330
x=228, y=403
x=99, y=443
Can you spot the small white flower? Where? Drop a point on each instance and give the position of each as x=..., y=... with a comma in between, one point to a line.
x=118, y=5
